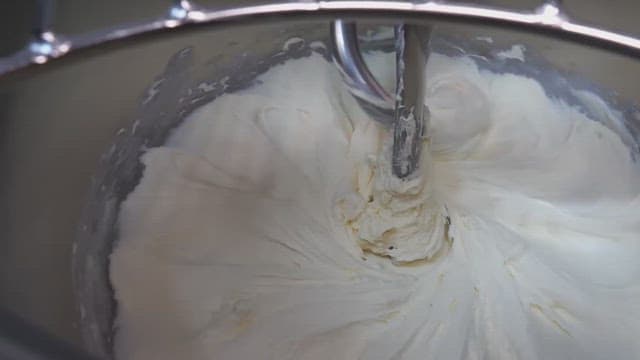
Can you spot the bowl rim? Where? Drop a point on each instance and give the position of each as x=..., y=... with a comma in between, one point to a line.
x=548, y=20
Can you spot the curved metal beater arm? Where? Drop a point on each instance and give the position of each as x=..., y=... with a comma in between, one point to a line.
x=405, y=112
x=361, y=83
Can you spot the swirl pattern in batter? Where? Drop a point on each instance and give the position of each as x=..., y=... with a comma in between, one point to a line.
x=269, y=227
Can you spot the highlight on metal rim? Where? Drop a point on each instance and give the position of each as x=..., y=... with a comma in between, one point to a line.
x=548, y=19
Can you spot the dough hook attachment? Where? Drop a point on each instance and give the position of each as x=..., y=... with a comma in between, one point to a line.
x=405, y=112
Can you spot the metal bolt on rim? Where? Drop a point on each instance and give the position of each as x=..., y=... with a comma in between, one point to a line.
x=547, y=19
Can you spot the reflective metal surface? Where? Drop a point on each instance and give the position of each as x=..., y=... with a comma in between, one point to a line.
x=407, y=114
x=411, y=115
x=72, y=129
x=373, y=98
x=547, y=19
x=407, y=117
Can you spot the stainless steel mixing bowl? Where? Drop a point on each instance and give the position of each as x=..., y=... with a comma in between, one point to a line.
x=73, y=129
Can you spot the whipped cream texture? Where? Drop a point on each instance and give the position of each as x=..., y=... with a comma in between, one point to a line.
x=269, y=226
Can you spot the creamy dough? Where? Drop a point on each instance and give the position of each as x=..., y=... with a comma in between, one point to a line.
x=268, y=227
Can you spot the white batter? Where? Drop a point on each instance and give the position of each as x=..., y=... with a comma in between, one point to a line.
x=268, y=227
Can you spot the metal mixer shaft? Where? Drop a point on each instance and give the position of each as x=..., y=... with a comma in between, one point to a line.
x=405, y=112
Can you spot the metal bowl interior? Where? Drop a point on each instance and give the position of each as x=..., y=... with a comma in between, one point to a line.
x=74, y=130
